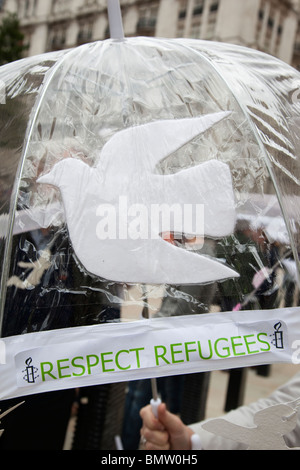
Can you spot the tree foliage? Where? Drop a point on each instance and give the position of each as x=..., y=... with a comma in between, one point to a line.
x=11, y=39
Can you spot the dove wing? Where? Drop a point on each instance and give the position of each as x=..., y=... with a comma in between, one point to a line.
x=228, y=430
x=145, y=145
x=178, y=266
x=157, y=262
x=206, y=187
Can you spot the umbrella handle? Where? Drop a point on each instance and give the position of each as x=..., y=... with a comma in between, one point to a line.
x=196, y=442
x=115, y=19
x=154, y=405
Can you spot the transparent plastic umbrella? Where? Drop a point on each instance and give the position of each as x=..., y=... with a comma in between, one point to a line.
x=91, y=139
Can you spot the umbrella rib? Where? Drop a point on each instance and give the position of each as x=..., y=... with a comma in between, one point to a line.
x=255, y=131
x=8, y=245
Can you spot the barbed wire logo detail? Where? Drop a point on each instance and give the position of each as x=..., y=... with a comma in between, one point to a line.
x=30, y=372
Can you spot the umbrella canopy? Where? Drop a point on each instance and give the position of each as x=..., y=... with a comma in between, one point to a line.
x=95, y=138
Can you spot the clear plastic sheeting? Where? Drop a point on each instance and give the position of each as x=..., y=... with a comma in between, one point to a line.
x=69, y=104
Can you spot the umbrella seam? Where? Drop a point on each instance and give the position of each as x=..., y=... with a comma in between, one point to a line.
x=13, y=205
x=261, y=146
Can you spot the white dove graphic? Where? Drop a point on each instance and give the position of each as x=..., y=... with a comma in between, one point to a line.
x=126, y=169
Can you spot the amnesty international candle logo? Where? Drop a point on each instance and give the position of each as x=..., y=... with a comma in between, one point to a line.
x=277, y=340
x=30, y=372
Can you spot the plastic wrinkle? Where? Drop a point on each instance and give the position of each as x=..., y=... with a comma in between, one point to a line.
x=77, y=101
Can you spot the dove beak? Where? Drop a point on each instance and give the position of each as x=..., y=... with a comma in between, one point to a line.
x=46, y=179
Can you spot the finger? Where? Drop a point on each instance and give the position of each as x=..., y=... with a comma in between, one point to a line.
x=149, y=420
x=152, y=441
x=158, y=438
x=150, y=446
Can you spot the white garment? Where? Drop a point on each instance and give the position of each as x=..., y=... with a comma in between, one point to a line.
x=243, y=416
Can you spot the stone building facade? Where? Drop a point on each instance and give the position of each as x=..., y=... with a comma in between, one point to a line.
x=268, y=25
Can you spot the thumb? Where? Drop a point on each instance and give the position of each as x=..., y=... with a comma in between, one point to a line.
x=171, y=422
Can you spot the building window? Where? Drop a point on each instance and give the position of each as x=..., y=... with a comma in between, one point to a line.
x=26, y=8
x=198, y=7
x=197, y=18
x=90, y=3
x=195, y=31
x=209, y=31
x=214, y=7
x=182, y=9
x=180, y=32
x=147, y=20
x=57, y=37
x=269, y=26
x=85, y=33
x=61, y=6
x=182, y=18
